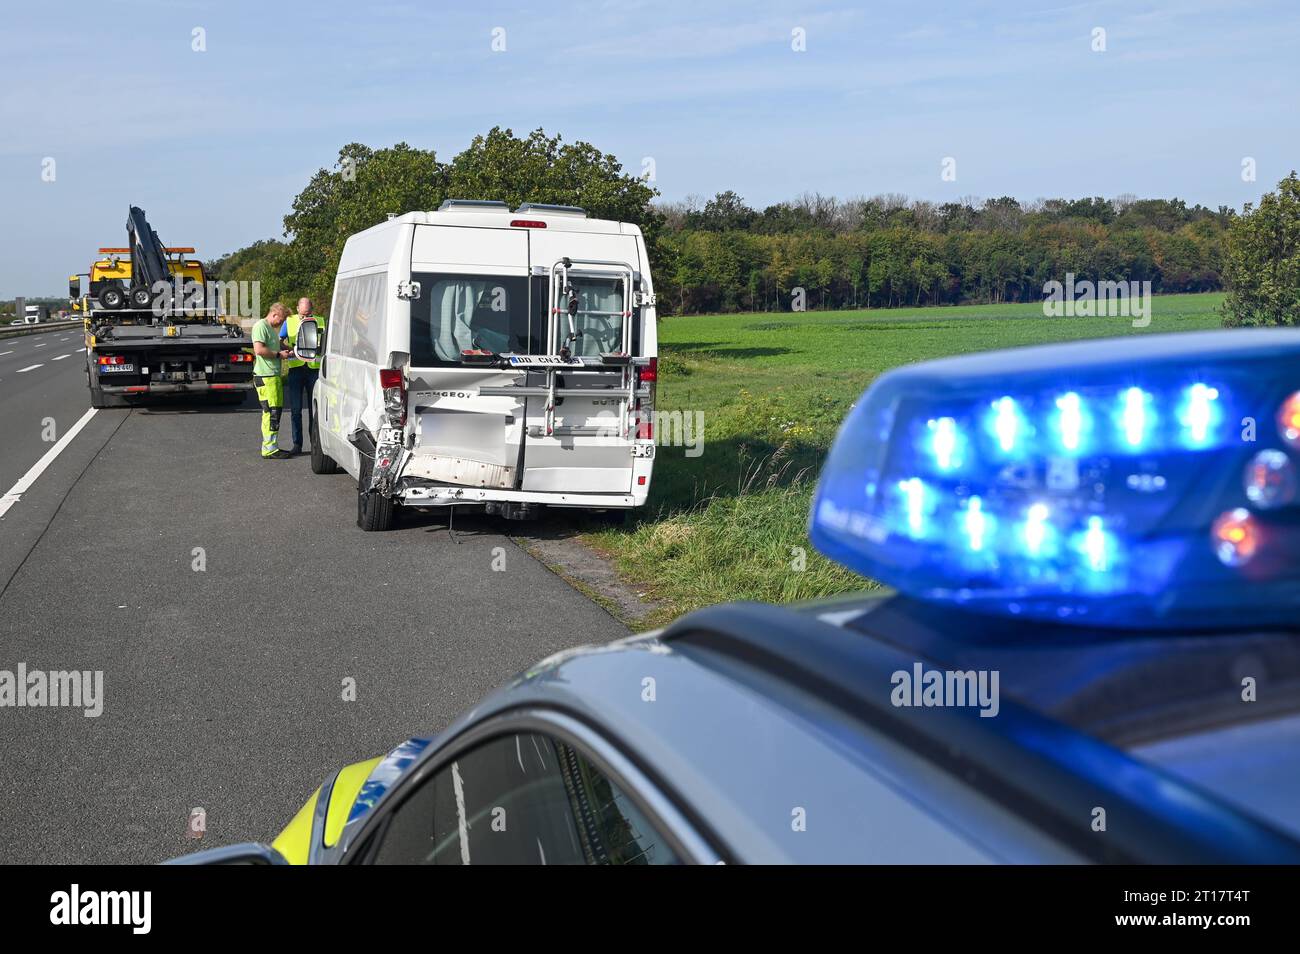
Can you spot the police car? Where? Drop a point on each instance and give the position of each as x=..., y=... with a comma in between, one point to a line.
x=1089, y=653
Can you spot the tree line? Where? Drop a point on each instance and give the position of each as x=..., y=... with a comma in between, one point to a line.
x=887, y=252
x=721, y=255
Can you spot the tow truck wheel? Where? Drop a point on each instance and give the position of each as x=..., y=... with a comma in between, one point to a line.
x=100, y=400
x=321, y=463
x=374, y=511
x=112, y=298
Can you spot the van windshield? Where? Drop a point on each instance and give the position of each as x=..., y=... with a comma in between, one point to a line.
x=456, y=313
x=599, y=318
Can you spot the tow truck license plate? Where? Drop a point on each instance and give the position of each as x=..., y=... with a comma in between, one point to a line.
x=111, y=368
x=542, y=360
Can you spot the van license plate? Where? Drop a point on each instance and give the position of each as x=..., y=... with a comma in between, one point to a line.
x=116, y=368
x=542, y=361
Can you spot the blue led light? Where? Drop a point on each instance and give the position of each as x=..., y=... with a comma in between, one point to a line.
x=1097, y=546
x=1008, y=423
x=1135, y=416
x=1199, y=414
x=913, y=491
x=1070, y=420
x=944, y=443
x=1012, y=491
x=1036, y=530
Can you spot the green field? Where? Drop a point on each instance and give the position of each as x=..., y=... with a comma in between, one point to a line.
x=772, y=388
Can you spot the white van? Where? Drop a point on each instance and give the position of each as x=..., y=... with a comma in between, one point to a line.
x=478, y=355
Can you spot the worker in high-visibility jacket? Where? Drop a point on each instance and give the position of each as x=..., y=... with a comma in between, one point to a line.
x=268, y=354
x=302, y=374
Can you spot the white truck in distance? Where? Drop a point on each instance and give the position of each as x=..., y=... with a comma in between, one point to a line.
x=482, y=356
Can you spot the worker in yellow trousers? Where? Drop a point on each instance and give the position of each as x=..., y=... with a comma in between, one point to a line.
x=268, y=358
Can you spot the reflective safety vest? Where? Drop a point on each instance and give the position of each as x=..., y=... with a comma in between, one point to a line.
x=291, y=334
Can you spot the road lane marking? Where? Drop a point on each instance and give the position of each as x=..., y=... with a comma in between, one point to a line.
x=62, y=356
x=41, y=345
x=30, y=367
x=15, y=493
x=3, y=353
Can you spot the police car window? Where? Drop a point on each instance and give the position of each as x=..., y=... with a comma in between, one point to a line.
x=523, y=798
x=456, y=313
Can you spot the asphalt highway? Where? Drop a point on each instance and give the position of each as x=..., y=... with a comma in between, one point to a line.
x=226, y=600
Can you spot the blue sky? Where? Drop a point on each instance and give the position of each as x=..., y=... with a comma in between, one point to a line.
x=215, y=144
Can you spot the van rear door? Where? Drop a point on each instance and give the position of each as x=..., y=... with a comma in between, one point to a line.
x=583, y=443
x=474, y=294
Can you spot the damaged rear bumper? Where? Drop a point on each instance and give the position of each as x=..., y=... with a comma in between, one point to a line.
x=440, y=496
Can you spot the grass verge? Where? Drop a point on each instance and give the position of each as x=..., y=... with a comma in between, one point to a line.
x=727, y=517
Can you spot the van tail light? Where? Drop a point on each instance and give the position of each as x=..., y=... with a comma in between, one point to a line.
x=647, y=375
x=112, y=359
x=645, y=423
x=527, y=224
x=393, y=384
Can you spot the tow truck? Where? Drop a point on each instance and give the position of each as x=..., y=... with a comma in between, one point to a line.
x=152, y=325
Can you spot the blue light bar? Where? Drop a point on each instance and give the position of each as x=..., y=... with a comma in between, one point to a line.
x=1100, y=482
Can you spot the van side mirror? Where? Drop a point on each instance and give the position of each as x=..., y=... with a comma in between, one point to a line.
x=308, y=343
x=74, y=287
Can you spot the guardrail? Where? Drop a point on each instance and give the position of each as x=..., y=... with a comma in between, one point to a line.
x=17, y=331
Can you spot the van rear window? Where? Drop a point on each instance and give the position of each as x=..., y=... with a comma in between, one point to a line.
x=600, y=318
x=456, y=313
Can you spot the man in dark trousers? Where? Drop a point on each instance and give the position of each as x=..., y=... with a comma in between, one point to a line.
x=302, y=374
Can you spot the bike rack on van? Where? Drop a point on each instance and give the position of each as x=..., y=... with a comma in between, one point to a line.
x=563, y=304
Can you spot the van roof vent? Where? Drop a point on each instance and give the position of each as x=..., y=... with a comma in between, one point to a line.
x=546, y=209
x=473, y=205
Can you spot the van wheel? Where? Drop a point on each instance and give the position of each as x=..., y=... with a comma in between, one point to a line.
x=321, y=463
x=374, y=511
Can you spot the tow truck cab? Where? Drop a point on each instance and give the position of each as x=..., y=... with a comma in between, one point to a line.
x=479, y=355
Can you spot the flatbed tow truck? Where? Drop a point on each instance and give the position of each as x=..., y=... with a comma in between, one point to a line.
x=153, y=327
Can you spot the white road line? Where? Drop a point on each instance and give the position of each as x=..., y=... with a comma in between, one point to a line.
x=62, y=356
x=3, y=353
x=15, y=493
x=42, y=345
x=30, y=367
